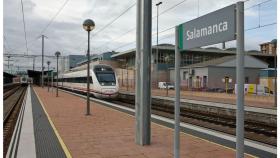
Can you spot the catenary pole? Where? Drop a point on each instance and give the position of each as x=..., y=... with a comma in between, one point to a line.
x=240, y=80
x=177, y=96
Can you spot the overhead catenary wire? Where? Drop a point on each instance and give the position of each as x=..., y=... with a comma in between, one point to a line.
x=24, y=26
x=52, y=19
x=111, y=22
x=161, y=13
x=259, y=25
x=46, y=27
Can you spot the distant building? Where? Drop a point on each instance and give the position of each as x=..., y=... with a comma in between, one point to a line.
x=212, y=73
x=269, y=47
x=98, y=57
x=73, y=60
x=267, y=78
x=104, y=58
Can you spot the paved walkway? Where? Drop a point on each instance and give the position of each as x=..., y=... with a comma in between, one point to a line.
x=108, y=133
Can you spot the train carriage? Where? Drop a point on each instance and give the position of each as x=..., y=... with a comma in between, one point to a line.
x=103, y=81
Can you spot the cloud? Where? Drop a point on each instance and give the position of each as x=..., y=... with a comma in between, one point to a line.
x=67, y=35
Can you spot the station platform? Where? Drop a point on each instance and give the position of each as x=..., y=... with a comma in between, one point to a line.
x=249, y=100
x=61, y=129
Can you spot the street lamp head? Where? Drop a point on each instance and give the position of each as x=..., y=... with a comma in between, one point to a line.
x=57, y=54
x=88, y=25
x=48, y=62
x=159, y=3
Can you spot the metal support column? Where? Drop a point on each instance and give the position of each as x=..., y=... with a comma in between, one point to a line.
x=143, y=66
x=57, y=76
x=138, y=133
x=48, y=78
x=240, y=80
x=88, y=89
x=177, y=96
x=52, y=80
x=275, y=78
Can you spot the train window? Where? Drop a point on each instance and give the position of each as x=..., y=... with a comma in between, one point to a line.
x=106, y=77
x=77, y=80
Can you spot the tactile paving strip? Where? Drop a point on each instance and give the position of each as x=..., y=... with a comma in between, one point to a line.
x=47, y=144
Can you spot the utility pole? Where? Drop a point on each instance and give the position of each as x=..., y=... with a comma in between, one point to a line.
x=33, y=63
x=9, y=61
x=42, y=82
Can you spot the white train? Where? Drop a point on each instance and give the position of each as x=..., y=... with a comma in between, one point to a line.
x=103, y=81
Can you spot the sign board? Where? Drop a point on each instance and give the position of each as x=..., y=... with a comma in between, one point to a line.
x=216, y=27
x=229, y=80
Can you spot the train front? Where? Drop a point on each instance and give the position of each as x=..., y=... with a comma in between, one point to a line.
x=107, y=87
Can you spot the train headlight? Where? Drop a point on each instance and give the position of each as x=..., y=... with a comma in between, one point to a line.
x=102, y=83
x=113, y=84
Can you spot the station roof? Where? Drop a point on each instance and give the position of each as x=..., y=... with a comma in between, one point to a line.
x=131, y=52
x=34, y=73
x=5, y=74
x=222, y=60
x=229, y=51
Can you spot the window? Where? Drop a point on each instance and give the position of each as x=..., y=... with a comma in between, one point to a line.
x=185, y=75
x=246, y=79
x=106, y=77
x=77, y=80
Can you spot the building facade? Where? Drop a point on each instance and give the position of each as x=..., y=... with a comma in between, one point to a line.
x=213, y=74
x=269, y=47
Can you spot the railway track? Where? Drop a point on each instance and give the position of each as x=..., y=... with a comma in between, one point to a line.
x=10, y=91
x=256, y=131
x=12, y=105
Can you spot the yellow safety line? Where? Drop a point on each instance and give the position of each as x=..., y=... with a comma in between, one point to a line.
x=169, y=128
x=64, y=147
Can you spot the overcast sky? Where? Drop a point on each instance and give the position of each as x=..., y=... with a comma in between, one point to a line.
x=66, y=34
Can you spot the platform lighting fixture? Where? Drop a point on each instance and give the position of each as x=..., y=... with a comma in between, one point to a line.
x=57, y=54
x=157, y=5
x=88, y=25
x=48, y=62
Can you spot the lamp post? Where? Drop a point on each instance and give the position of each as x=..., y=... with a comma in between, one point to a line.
x=48, y=62
x=88, y=25
x=156, y=68
x=57, y=54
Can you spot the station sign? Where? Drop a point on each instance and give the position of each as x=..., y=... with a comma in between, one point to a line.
x=216, y=27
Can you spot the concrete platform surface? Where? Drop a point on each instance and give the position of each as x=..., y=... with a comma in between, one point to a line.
x=108, y=133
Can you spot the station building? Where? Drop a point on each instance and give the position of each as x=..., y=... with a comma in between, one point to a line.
x=166, y=61
x=212, y=74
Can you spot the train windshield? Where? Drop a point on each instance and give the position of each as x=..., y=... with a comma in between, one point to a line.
x=110, y=77
x=106, y=78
